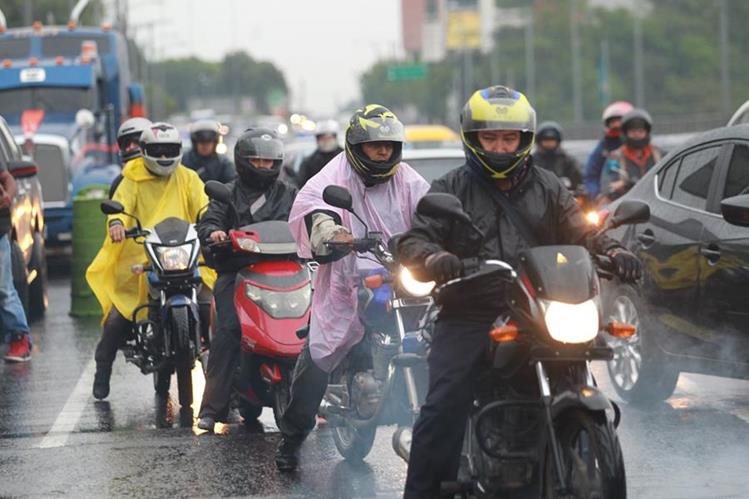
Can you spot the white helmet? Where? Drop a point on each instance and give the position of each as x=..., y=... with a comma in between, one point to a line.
x=129, y=134
x=327, y=127
x=161, y=146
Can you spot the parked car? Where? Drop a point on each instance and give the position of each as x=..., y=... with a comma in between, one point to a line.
x=691, y=311
x=433, y=163
x=27, y=236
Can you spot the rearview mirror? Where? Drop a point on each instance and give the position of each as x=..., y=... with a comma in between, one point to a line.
x=218, y=191
x=630, y=213
x=22, y=169
x=338, y=196
x=442, y=205
x=735, y=210
x=110, y=207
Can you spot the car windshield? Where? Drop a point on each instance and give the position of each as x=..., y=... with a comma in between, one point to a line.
x=51, y=99
x=434, y=168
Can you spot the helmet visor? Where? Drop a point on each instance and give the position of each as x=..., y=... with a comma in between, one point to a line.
x=377, y=130
x=265, y=147
x=205, y=136
x=129, y=142
x=163, y=150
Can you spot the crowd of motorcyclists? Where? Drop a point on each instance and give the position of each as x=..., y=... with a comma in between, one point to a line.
x=517, y=185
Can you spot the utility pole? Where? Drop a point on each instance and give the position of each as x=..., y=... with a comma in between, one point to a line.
x=530, y=57
x=639, y=76
x=725, y=74
x=577, y=101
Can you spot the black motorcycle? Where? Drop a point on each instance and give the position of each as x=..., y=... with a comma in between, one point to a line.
x=383, y=379
x=539, y=426
x=170, y=338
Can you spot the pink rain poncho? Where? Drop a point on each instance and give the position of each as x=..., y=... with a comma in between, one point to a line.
x=387, y=207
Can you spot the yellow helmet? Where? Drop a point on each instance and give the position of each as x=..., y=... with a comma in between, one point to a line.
x=497, y=108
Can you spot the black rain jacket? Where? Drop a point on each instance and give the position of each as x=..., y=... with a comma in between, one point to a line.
x=252, y=206
x=213, y=167
x=312, y=165
x=540, y=199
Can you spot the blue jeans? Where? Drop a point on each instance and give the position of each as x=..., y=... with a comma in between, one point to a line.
x=12, y=315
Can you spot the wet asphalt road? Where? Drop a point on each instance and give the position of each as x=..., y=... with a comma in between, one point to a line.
x=56, y=440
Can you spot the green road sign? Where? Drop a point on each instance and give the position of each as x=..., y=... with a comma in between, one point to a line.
x=407, y=72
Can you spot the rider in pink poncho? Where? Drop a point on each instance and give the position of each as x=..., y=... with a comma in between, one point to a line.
x=384, y=192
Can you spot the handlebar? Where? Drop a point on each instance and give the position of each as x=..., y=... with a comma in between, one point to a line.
x=606, y=266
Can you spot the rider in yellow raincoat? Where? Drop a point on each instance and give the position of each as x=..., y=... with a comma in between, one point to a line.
x=154, y=187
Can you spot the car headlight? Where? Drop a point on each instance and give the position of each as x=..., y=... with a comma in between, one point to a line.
x=281, y=304
x=412, y=286
x=569, y=323
x=172, y=258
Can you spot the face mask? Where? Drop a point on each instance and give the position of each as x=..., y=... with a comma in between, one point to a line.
x=327, y=144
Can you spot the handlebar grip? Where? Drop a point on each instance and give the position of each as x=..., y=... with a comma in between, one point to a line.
x=134, y=232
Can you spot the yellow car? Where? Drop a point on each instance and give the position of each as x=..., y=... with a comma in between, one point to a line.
x=430, y=136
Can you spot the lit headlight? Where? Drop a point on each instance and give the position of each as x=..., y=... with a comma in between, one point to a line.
x=281, y=304
x=572, y=323
x=413, y=286
x=174, y=258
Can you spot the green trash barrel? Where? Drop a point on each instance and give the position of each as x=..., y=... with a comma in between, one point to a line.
x=89, y=230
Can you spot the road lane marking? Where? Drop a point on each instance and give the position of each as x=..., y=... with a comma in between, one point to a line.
x=71, y=412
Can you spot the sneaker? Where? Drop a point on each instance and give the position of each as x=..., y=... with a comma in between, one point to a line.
x=101, y=383
x=287, y=454
x=206, y=423
x=20, y=349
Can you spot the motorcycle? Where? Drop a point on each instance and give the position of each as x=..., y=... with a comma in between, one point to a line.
x=272, y=299
x=170, y=338
x=382, y=380
x=539, y=426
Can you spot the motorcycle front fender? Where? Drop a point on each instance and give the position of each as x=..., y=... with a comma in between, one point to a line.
x=585, y=397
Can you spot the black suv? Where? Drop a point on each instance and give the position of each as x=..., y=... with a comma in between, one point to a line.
x=692, y=310
x=27, y=236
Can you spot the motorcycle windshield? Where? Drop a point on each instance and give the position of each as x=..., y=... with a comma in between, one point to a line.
x=272, y=237
x=560, y=273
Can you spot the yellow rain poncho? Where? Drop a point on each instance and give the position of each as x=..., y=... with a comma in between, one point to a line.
x=151, y=199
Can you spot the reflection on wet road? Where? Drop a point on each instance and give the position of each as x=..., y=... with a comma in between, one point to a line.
x=55, y=439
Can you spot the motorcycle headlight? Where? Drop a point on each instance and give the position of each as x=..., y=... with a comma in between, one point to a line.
x=569, y=323
x=281, y=304
x=173, y=258
x=412, y=286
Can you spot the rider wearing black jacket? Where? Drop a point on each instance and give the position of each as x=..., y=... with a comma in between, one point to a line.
x=327, y=149
x=549, y=155
x=203, y=158
x=257, y=196
x=497, y=128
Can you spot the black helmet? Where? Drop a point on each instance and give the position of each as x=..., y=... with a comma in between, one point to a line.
x=374, y=123
x=498, y=108
x=636, y=118
x=549, y=130
x=259, y=143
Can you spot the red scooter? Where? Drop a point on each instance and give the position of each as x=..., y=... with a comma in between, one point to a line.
x=272, y=297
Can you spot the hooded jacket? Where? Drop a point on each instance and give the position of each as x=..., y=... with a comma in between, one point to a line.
x=151, y=199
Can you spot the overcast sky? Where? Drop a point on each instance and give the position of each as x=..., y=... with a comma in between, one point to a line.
x=322, y=46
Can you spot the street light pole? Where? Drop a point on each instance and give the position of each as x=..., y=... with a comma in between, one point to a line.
x=639, y=76
x=577, y=101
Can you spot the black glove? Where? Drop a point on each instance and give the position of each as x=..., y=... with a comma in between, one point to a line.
x=443, y=266
x=628, y=266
